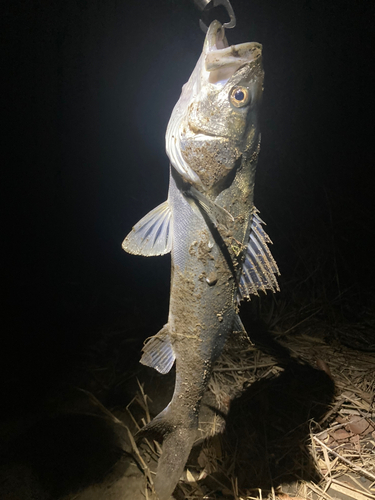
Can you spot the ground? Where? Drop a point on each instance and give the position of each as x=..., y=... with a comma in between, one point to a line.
x=289, y=417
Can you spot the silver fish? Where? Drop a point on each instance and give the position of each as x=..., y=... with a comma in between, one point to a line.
x=209, y=224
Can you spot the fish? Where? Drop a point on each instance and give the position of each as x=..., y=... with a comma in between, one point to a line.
x=219, y=249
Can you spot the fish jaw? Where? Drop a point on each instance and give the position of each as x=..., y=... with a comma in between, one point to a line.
x=208, y=132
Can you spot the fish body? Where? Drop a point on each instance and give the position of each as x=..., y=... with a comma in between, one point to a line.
x=218, y=247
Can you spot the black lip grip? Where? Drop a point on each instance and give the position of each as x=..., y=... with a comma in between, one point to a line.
x=207, y=5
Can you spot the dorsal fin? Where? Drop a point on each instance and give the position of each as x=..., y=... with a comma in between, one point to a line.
x=259, y=268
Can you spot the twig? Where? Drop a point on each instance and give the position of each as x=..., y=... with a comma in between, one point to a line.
x=316, y=489
x=345, y=460
x=344, y=487
x=300, y=323
x=331, y=412
x=144, y=400
x=145, y=468
x=105, y=410
x=243, y=368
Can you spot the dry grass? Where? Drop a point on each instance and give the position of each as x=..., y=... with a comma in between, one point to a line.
x=288, y=419
x=290, y=432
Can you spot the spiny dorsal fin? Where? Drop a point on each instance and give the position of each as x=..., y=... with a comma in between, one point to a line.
x=152, y=235
x=259, y=268
x=158, y=352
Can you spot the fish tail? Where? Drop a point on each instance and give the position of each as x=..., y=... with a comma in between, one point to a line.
x=175, y=452
x=178, y=441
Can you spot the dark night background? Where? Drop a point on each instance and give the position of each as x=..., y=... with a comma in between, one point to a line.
x=88, y=88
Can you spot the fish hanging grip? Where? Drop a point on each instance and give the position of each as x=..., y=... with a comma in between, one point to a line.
x=205, y=5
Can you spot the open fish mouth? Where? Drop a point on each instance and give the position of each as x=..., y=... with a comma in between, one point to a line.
x=221, y=60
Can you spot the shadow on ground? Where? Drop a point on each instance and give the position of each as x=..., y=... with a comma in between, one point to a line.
x=60, y=455
x=264, y=442
x=267, y=427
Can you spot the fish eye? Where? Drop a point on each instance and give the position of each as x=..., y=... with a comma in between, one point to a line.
x=239, y=96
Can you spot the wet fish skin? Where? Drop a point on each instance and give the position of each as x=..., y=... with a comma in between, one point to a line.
x=209, y=224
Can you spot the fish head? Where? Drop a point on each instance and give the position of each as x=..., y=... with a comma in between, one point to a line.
x=215, y=122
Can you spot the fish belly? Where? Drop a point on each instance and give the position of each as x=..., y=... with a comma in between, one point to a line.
x=202, y=285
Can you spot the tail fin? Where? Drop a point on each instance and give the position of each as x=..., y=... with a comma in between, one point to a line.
x=178, y=441
x=175, y=452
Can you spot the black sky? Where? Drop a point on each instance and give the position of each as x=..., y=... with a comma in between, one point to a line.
x=88, y=88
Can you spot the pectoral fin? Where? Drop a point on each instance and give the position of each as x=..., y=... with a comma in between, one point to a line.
x=158, y=352
x=152, y=235
x=259, y=269
x=218, y=215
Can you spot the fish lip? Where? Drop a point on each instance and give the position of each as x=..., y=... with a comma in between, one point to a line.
x=219, y=54
x=215, y=37
x=234, y=55
x=200, y=134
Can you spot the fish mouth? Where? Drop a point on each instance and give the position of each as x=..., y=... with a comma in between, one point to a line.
x=221, y=61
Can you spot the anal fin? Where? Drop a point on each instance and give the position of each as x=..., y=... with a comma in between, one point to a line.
x=158, y=352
